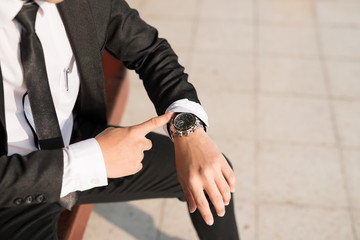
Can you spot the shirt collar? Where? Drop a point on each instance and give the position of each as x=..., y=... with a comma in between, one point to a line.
x=42, y=5
x=9, y=9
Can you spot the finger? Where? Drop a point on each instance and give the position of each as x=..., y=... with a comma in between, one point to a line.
x=154, y=123
x=203, y=205
x=229, y=175
x=147, y=144
x=224, y=189
x=140, y=166
x=134, y=170
x=140, y=155
x=216, y=198
x=190, y=200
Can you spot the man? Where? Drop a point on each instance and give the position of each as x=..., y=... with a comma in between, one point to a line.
x=98, y=164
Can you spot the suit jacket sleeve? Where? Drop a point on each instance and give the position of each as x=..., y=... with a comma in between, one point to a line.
x=134, y=42
x=31, y=179
x=137, y=44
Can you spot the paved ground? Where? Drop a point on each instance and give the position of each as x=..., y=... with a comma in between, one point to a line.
x=280, y=80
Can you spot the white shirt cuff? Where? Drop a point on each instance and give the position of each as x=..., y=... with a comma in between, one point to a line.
x=84, y=167
x=184, y=105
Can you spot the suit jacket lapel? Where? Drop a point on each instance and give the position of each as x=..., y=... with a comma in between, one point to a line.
x=3, y=135
x=78, y=22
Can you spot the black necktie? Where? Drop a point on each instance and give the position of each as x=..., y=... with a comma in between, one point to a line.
x=41, y=103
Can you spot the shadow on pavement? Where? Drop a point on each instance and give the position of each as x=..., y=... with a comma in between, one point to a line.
x=132, y=220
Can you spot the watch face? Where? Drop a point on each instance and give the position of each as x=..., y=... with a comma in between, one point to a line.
x=184, y=121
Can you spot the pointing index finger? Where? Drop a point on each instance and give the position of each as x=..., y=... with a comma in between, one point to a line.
x=155, y=123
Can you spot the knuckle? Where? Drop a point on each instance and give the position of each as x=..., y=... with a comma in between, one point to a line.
x=148, y=144
x=232, y=180
x=139, y=156
x=202, y=203
x=227, y=197
x=153, y=121
x=231, y=174
x=219, y=158
x=225, y=189
x=206, y=172
x=140, y=146
x=217, y=199
x=192, y=180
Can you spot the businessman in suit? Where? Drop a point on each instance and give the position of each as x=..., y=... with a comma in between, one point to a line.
x=88, y=161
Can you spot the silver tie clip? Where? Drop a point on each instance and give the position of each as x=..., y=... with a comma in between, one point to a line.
x=67, y=71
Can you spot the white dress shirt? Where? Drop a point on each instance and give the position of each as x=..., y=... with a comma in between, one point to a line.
x=84, y=166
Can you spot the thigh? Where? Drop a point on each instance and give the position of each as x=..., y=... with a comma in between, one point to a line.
x=38, y=222
x=157, y=179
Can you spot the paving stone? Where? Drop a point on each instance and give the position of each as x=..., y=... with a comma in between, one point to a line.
x=297, y=223
x=296, y=174
x=295, y=120
x=347, y=115
x=286, y=12
x=288, y=41
x=352, y=171
x=291, y=76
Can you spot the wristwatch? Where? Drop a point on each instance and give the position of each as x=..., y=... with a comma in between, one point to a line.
x=183, y=124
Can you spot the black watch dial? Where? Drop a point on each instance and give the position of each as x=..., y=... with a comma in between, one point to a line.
x=184, y=121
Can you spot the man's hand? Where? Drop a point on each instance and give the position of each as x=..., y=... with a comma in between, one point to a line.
x=123, y=148
x=201, y=166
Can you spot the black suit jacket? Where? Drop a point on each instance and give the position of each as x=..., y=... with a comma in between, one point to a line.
x=92, y=26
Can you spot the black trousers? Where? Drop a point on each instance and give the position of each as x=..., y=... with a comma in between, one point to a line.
x=157, y=179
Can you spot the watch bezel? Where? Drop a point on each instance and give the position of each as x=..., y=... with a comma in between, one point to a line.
x=177, y=118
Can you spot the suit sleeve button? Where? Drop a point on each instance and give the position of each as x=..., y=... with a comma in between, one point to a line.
x=18, y=201
x=28, y=199
x=40, y=198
